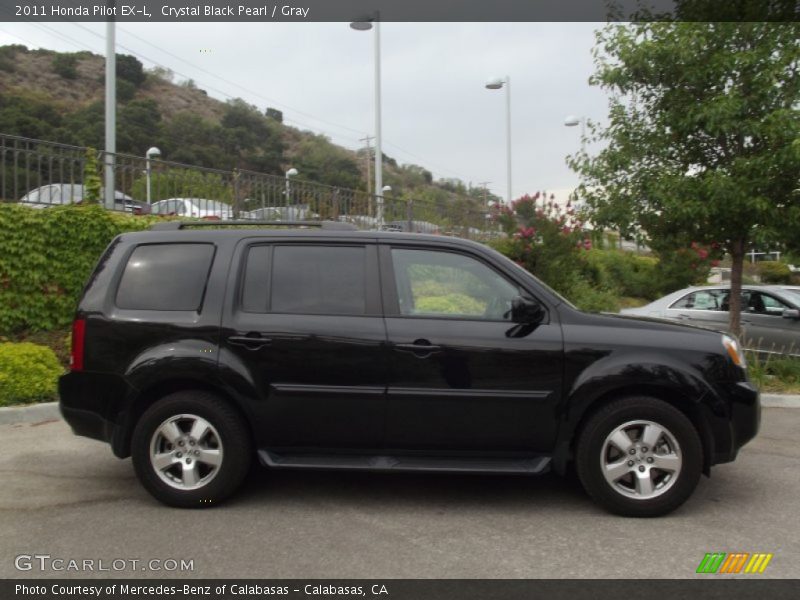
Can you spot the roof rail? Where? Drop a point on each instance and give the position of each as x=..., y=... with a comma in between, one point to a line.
x=176, y=225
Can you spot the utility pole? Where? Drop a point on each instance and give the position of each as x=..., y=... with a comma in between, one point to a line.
x=368, y=139
x=485, y=186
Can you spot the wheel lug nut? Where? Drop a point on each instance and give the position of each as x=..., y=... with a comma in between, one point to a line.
x=191, y=442
x=189, y=461
x=178, y=454
x=644, y=449
x=649, y=459
x=632, y=451
x=180, y=443
x=197, y=453
x=630, y=463
x=641, y=468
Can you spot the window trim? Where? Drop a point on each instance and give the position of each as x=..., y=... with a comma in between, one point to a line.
x=389, y=286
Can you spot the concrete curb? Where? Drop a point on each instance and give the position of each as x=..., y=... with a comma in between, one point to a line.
x=36, y=413
x=780, y=400
x=33, y=413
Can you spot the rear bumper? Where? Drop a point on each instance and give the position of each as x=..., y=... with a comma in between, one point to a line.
x=91, y=403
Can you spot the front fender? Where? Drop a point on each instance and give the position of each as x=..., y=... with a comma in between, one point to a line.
x=673, y=380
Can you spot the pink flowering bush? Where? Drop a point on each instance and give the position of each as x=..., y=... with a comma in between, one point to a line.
x=551, y=242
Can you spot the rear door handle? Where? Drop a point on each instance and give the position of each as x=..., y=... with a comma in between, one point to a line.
x=422, y=348
x=250, y=341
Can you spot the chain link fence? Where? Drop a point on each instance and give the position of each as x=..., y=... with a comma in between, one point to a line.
x=42, y=174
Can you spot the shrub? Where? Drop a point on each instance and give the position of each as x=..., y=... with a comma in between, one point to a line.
x=65, y=65
x=28, y=373
x=630, y=274
x=774, y=272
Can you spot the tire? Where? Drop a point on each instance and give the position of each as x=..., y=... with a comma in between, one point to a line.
x=623, y=473
x=191, y=449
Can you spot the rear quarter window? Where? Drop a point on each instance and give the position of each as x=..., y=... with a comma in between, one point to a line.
x=165, y=277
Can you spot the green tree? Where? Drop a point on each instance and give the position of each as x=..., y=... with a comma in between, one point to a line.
x=701, y=136
x=130, y=69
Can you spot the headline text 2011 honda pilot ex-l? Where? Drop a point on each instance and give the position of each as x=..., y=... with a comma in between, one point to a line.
x=197, y=349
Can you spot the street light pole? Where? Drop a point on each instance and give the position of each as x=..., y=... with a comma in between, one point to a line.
x=572, y=121
x=289, y=173
x=496, y=84
x=111, y=115
x=150, y=154
x=366, y=25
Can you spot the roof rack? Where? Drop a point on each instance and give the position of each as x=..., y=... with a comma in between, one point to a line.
x=176, y=225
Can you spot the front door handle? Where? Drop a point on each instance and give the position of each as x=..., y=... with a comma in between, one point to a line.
x=252, y=341
x=422, y=348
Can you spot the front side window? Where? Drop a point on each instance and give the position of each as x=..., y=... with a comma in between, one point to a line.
x=319, y=280
x=447, y=284
x=764, y=304
x=165, y=277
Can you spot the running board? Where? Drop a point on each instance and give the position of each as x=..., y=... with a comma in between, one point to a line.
x=534, y=465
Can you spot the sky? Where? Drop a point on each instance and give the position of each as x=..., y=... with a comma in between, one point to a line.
x=436, y=111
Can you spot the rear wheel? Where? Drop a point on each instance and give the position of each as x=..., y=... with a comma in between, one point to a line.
x=639, y=457
x=191, y=449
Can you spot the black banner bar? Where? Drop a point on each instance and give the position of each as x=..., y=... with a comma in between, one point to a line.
x=398, y=10
x=713, y=587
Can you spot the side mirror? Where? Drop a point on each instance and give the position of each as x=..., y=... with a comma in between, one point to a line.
x=791, y=313
x=526, y=310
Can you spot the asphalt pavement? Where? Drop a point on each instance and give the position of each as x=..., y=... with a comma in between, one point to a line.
x=68, y=498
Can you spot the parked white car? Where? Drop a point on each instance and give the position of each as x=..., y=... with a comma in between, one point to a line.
x=55, y=194
x=200, y=208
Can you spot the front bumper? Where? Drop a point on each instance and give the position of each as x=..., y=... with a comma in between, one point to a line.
x=742, y=420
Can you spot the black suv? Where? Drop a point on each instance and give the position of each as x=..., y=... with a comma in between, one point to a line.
x=195, y=349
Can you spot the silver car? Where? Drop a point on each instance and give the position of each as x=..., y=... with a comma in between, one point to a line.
x=770, y=313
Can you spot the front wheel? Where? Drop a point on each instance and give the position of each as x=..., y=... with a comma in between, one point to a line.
x=639, y=457
x=191, y=449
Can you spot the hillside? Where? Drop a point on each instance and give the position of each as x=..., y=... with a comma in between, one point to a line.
x=59, y=97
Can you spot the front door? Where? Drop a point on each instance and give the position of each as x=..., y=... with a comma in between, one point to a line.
x=462, y=376
x=306, y=328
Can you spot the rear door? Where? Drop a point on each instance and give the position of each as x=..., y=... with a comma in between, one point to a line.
x=305, y=328
x=463, y=377
x=706, y=308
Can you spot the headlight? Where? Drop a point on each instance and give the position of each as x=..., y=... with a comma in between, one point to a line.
x=734, y=351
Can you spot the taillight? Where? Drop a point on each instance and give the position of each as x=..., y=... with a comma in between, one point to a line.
x=78, y=336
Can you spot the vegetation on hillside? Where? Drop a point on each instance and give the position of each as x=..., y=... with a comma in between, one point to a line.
x=59, y=97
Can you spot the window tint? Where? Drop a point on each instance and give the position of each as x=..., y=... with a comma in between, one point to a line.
x=165, y=277
x=256, y=279
x=319, y=280
x=431, y=283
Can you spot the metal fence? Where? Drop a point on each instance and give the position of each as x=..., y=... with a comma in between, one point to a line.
x=41, y=174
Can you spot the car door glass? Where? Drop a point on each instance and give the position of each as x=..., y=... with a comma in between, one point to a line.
x=702, y=300
x=764, y=304
x=431, y=283
x=329, y=280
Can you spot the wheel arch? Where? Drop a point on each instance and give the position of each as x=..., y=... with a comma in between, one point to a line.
x=570, y=431
x=145, y=398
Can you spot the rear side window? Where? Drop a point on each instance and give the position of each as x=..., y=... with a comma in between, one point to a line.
x=306, y=280
x=165, y=277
